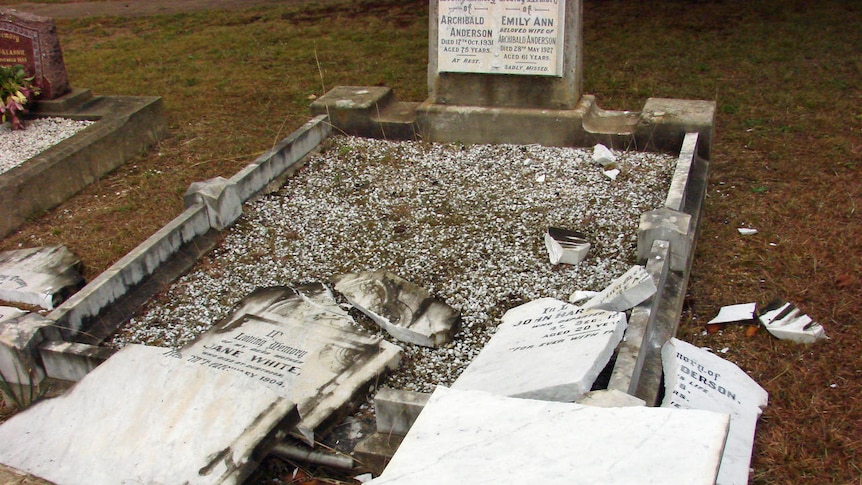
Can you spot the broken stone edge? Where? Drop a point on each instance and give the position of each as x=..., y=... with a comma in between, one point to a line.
x=213, y=205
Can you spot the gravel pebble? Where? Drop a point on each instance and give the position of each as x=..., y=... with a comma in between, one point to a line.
x=464, y=222
x=18, y=146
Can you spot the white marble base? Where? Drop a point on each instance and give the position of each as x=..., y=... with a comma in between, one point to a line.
x=478, y=438
x=144, y=417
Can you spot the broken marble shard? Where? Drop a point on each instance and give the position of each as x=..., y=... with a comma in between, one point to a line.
x=741, y=313
x=785, y=321
x=480, y=438
x=299, y=343
x=625, y=292
x=565, y=246
x=404, y=310
x=144, y=417
x=604, y=157
x=545, y=349
x=697, y=379
x=612, y=174
x=39, y=276
x=746, y=231
x=581, y=295
x=8, y=313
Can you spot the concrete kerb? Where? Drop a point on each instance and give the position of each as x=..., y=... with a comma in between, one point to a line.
x=75, y=317
x=125, y=126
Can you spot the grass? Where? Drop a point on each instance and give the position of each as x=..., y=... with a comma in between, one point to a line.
x=786, y=158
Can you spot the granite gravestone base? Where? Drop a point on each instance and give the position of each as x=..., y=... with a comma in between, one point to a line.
x=300, y=344
x=546, y=349
x=31, y=41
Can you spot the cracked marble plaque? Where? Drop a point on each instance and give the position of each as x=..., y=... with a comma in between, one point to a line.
x=480, y=438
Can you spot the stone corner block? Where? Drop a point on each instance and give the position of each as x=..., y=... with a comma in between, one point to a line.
x=669, y=225
x=665, y=122
x=20, y=338
x=397, y=410
x=221, y=198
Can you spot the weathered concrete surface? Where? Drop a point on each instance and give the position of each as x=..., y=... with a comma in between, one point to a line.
x=125, y=127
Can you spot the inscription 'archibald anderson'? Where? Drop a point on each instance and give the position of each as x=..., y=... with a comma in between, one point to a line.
x=450, y=20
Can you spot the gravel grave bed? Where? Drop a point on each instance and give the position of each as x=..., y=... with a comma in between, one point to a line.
x=40, y=134
x=464, y=222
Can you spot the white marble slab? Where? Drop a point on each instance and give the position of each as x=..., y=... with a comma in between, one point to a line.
x=479, y=438
x=39, y=276
x=786, y=322
x=299, y=343
x=610, y=398
x=406, y=311
x=627, y=291
x=545, y=349
x=8, y=313
x=741, y=313
x=565, y=247
x=697, y=379
x=144, y=417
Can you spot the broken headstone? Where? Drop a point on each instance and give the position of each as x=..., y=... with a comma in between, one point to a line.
x=477, y=437
x=564, y=246
x=404, y=310
x=785, y=321
x=39, y=276
x=545, y=349
x=697, y=379
x=144, y=417
x=625, y=292
x=299, y=343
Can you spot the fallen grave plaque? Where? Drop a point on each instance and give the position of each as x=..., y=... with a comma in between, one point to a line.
x=142, y=417
x=406, y=311
x=546, y=349
x=31, y=41
x=479, y=438
x=299, y=343
x=39, y=276
x=697, y=379
x=501, y=37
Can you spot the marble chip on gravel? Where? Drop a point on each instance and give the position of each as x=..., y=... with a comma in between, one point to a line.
x=464, y=222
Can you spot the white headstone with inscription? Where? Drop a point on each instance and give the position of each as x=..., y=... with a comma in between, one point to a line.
x=697, y=379
x=545, y=349
x=501, y=36
x=299, y=343
x=476, y=437
x=144, y=417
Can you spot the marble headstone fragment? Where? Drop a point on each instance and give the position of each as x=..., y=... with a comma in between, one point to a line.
x=39, y=276
x=741, y=313
x=785, y=321
x=145, y=417
x=8, y=313
x=300, y=344
x=566, y=247
x=604, y=157
x=627, y=291
x=406, y=311
x=697, y=379
x=545, y=349
x=479, y=438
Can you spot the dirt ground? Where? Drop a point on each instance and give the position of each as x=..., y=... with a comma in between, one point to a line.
x=128, y=8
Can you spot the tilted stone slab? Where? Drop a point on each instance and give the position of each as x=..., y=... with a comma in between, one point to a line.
x=300, y=344
x=479, y=438
x=145, y=417
x=545, y=349
x=697, y=379
x=625, y=292
x=406, y=311
x=39, y=276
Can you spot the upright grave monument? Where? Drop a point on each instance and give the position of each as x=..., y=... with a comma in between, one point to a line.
x=31, y=41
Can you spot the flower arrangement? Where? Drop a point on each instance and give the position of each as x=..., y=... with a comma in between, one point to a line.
x=16, y=92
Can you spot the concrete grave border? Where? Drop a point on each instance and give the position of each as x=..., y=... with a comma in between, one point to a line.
x=125, y=127
x=666, y=240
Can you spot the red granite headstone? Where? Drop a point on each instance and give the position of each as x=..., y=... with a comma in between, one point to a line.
x=31, y=40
